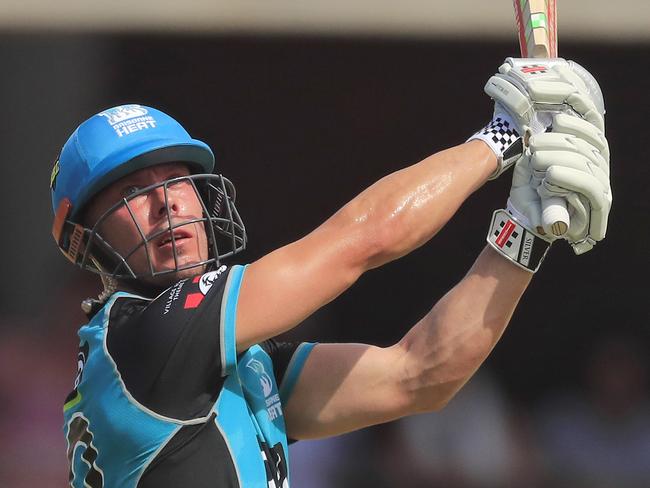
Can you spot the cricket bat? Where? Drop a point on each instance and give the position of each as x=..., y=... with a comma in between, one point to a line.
x=537, y=29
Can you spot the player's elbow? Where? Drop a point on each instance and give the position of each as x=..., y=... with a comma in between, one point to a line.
x=426, y=396
x=432, y=380
x=367, y=237
x=379, y=236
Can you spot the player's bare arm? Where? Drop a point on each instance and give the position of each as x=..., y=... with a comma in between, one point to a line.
x=392, y=217
x=405, y=209
x=178, y=339
x=367, y=385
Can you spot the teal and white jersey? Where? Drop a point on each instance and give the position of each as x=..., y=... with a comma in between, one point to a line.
x=162, y=399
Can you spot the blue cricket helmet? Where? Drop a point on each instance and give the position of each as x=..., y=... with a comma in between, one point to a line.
x=116, y=142
x=119, y=141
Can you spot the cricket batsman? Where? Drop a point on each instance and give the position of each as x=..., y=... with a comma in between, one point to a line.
x=181, y=382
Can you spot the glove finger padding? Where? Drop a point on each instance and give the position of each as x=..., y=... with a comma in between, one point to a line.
x=564, y=165
x=593, y=88
x=582, y=129
x=542, y=161
x=580, y=216
x=585, y=108
x=550, y=92
x=533, y=95
x=526, y=87
x=554, y=149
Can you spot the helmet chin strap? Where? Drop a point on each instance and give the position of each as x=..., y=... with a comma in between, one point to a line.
x=91, y=305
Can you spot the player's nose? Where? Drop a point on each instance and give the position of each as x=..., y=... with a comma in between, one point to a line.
x=164, y=201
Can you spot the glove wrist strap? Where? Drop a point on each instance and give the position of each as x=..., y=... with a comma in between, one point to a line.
x=523, y=247
x=504, y=140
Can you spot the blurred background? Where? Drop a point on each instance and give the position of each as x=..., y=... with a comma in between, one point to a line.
x=305, y=104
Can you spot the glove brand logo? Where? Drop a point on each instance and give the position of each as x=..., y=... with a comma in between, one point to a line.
x=508, y=229
x=527, y=248
x=534, y=69
x=127, y=119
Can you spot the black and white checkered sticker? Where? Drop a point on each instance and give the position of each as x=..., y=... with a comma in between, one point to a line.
x=504, y=140
x=500, y=133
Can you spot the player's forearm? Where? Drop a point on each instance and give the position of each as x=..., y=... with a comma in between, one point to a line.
x=448, y=345
x=405, y=209
x=392, y=217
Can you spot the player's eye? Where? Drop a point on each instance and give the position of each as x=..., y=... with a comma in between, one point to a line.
x=130, y=190
x=181, y=184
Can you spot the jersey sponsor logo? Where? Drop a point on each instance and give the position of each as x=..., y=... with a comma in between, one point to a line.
x=265, y=379
x=174, y=294
x=273, y=407
x=127, y=119
x=271, y=400
x=205, y=282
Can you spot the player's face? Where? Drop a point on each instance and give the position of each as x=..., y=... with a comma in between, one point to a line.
x=150, y=211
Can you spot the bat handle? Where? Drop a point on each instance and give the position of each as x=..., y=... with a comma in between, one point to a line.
x=555, y=215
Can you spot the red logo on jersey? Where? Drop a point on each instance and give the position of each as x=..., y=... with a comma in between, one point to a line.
x=205, y=282
x=193, y=300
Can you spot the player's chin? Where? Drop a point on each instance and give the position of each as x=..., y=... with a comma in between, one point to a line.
x=189, y=270
x=169, y=270
x=166, y=277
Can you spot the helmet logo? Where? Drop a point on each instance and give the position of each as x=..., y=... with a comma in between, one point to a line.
x=119, y=114
x=54, y=174
x=127, y=119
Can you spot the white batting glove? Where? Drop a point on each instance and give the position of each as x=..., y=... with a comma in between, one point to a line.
x=527, y=93
x=572, y=163
x=526, y=88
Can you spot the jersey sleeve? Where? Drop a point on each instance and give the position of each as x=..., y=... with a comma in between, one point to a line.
x=174, y=352
x=288, y=361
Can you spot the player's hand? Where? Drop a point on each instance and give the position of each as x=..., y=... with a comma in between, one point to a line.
x=572, y=162
x=527, y=94
x=531, y=91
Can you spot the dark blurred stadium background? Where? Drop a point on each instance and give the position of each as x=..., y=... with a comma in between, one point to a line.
x=301, y=119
